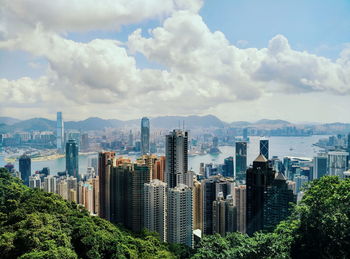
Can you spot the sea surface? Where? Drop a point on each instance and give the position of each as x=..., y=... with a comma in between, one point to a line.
x=278, y=146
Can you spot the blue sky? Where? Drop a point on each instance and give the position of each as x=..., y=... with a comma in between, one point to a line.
x=319, y=27
x=282, y=53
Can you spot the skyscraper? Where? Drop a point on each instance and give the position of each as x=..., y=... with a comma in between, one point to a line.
x=104, y=167
x=211, y=187
x=72, y=159
x=50, y=184
x=35, y=181
x=179, y=218
x=197, y=205
x=228, y=167
x=155, y=208
x=59, y=133
x=224, y=215
x=348, y=143
x=320, y=167
x=25, y=168
x=85, y=141
x=127, y=194
x=145, y=133
x=176, y=149
x=241, y=161
x=259, y=177
x=240, y=202
x=264, y=148
x=277, y=201
x=337, y=162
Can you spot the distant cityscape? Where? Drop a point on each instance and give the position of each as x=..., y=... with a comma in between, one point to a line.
x=158, y=191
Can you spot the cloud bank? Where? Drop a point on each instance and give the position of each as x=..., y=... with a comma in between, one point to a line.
x=200, y=69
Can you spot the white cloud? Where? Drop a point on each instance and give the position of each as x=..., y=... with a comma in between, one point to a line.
x=204, y=71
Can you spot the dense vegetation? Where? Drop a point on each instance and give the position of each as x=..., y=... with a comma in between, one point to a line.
x=35, y=224
x=318, y=228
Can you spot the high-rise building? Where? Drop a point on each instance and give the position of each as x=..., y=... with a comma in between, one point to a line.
x=104, y=167
x=277, y=201
x=264, y=148
x=210, y=190
x=245, y=134
x=259, y=177
x=197, y=205
x=72, y=159
x=159, y=169
x=35, y=181
x=25, y=168
x=50, y=184
x=241, y=161
x=348, y=143
x=96, y=194
x=179, y=218
x=131, y=139
x=300, y=181
x=85, y=142
x=145, y=134
x=155, y=208
x=338, y=162
x=240, y=202
x=62, y=189
x=127, y=194
x=228, y=170
x=224, y=215
x=105, y=164
x=320, y=167
x=93, y=162
x=59, y=133
x=176, y=157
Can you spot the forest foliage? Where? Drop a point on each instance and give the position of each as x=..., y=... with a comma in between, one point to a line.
x=35, y=224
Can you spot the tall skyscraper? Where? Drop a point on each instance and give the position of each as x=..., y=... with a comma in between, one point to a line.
x=35, y=181
x=155, y=208
x=25, y=168
x=264, y=148
x=277, y=201
x=259, y=177
x=145, y=134
x=241, y=161
x=338, y=163
x=179, y=218
x=176, y=149
x=240, y=202
x=224, y=215
x=228, y=170
x=59, y=133
x=104, y=167
x=211, y=187
x=84, y=141
x=348, y=143
x=127, y=194
x=320, y=166
x=245, y=134
x=50, y=184
x=72, y=159
x=197, y=205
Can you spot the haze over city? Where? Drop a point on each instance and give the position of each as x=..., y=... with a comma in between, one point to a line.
x=237, y=60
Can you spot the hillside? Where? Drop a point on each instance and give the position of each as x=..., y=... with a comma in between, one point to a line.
x=35, y=224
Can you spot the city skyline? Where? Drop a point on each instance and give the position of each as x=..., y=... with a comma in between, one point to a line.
x=256, y=60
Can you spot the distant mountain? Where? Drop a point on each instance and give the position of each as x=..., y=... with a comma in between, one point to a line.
x=240, y=124
x=8, y=120
x=271, y=122
x=190, y=122
x=39, y=124
x=93, y=123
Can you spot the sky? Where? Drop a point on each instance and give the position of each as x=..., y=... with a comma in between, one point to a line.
x=125, y=59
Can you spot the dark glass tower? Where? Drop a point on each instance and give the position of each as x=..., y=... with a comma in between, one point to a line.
x=72, y=158
x=264, y=148
x=145, y=135
x=277, y=199
x=241, y=161
x=228, y=167
x=25, y=168
x=176, y=150
x=259, y=177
